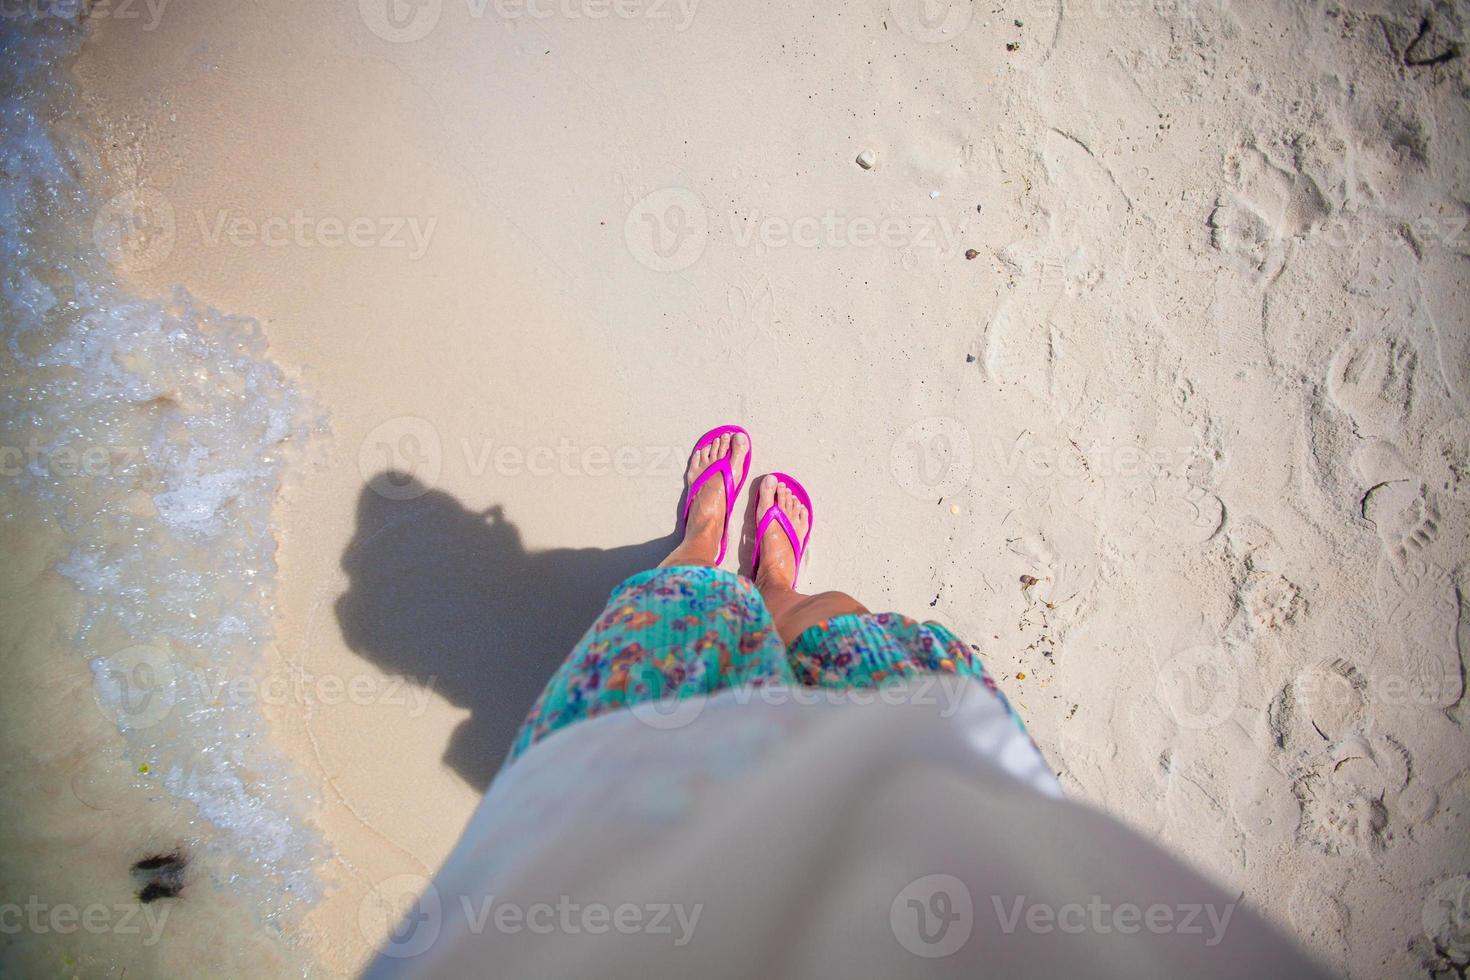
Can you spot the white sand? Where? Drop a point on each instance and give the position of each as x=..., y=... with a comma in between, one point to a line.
x=1206, y=380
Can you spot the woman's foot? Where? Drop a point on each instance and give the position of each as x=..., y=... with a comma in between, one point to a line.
x=775, y=577
x=777, y=571
x=706, y=519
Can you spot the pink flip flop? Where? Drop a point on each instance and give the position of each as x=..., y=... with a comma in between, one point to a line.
x=775, y=513
x=722, y=467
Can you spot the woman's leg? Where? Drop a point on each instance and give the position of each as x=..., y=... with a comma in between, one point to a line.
x=863, y=651
x=792, y=611
x=707, y=516
x=681, y=630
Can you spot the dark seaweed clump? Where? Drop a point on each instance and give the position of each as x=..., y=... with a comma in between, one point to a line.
x=160, y=876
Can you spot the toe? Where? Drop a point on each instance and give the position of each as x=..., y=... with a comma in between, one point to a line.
x=786, y=500
x=767, y=493
x=739, y=446
x=793, y=507
x=702, y=459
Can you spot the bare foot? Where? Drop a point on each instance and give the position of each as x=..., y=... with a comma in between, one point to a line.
x=778, y=558
x=706, y=521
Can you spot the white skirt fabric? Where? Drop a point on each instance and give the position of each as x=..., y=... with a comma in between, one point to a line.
x=912, y=831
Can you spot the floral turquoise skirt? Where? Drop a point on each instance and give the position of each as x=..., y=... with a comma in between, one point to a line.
x=672, y=633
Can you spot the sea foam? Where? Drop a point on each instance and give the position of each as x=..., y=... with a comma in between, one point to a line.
x=152, y=436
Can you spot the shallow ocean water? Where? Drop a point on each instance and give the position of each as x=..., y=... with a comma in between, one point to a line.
x=142, y=445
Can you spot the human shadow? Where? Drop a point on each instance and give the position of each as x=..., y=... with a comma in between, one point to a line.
x=452, y=600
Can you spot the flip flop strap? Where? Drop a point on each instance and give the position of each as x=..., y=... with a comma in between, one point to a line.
x=775, y=513
x=721, y=466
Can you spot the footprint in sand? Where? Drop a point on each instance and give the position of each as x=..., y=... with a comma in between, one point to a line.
x=1019, y=343
x=1414, y=592
x=1411, y=586
x=1413, y=548
x=1171, y=506
x=1082, y=766
x=1372, y=378
x=1199, y=687
x=1267, y=207
x=1393, y=493
x=1446, y=920
x=1346, y=793
x=1270, y=601
x=1264, y=806
x=1323, y=703
x=750, y=315
x=1389, y=145
x=1091, y=200
x=1422, y=673
x=1347, y=823
x=1397, y=503
x=1444, y=283
x=1059, y=545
